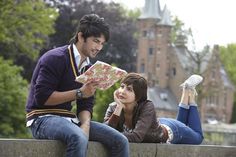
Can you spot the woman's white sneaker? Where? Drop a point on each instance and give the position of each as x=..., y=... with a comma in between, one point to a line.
x=192, y=82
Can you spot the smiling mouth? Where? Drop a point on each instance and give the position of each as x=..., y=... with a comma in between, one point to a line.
x=95, y=52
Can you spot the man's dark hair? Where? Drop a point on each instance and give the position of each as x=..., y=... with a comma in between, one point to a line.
x=139, y=84
x=92, y=25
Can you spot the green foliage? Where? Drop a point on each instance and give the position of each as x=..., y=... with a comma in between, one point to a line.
x=135, y=13
x=176, y=29
x=103, y=99
x=122, y=27
x=180, y=32
x=228, y=57
x=233, y=118
x=24, y=26
x=13, y=92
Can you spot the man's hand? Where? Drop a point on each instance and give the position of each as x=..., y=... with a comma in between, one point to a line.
x=89, y=89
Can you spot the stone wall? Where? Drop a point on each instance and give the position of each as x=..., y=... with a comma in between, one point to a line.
x=49, y=148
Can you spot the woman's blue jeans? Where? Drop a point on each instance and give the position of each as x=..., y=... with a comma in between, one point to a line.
x=58, y=128
x=186, y=127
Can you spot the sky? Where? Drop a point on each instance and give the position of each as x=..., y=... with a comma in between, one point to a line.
x=212, y=21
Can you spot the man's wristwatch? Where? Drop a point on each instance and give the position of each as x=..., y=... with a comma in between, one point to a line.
x=79, y=94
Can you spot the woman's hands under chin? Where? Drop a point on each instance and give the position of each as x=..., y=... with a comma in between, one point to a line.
x=117, y=100
x=120, y=105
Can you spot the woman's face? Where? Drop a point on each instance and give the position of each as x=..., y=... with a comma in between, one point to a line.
x=126, y=94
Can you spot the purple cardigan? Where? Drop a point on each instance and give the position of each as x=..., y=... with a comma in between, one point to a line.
x=54, y=72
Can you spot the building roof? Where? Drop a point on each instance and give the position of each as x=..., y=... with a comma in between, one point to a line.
x=183, y=55
x=166, y=17
x=162, y=98
x=152, y=10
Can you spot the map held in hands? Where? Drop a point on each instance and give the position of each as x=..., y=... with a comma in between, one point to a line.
x=103, y=73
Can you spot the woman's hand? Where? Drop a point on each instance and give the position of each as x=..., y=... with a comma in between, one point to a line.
x=116, y=99
x=119, y=105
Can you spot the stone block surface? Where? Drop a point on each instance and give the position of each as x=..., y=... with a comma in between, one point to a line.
x=50, y=148
x=180, y=150
x=31, y=148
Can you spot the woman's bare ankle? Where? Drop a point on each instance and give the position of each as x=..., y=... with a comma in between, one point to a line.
x=185, y=96
x=192, y=94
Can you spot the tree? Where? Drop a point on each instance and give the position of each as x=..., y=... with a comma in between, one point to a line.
x=24, y=26
x=24, y=29
x=180, y=33
x=228, y=57
x=103, y=99
x=199, y=58
x=179, y=30
x=13, y=92
x=121, y=48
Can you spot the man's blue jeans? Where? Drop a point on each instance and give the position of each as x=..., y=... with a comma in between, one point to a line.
x=186, y=127
x=58, y=128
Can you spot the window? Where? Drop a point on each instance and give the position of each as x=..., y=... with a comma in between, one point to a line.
x=151, y=34
x=216, y=99
x=150, y=51
x=142, y=68
x=144, y=33
x=157, y=81
x=212, y=100
x=163, y=96
x=174, y=71
x=213, y=74
x=225, y=98
x=158, y=50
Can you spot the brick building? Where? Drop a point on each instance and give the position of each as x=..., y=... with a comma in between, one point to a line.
x=166, y=65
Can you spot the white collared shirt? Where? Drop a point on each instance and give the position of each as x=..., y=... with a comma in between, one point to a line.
x=78, y=58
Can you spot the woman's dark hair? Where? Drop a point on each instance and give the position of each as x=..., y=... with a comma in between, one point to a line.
x=139, y=84
x=92, y=25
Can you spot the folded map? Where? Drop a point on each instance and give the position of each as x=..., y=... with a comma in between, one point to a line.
x=103, y=73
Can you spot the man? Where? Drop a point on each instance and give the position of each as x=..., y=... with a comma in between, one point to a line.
x=53, y=88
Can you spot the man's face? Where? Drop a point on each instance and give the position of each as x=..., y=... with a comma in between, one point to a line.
x=92, y=46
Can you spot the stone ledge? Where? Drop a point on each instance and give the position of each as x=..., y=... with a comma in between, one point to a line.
x=50, y=148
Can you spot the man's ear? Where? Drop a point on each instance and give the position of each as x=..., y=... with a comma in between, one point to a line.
x=80, y=37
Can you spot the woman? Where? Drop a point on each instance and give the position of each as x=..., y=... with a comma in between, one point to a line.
x=134, y=115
